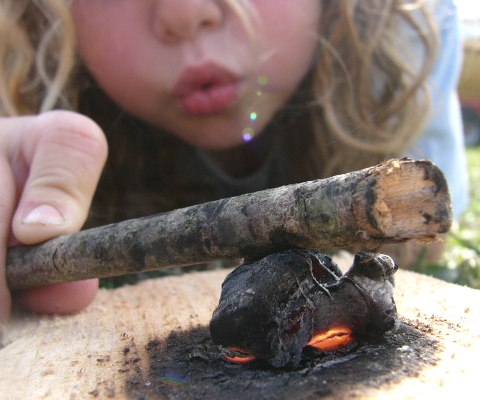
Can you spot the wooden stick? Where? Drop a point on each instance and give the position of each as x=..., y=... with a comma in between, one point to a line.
x=392, y=202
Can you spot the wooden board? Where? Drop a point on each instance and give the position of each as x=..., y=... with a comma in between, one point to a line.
x=121, y=347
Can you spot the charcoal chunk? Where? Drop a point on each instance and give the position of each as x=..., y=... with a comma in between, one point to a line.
x=271, y=308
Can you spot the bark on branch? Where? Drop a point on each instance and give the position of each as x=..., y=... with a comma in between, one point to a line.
x=394, y=201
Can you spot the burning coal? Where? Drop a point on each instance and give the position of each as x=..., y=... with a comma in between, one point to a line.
x=273, y=308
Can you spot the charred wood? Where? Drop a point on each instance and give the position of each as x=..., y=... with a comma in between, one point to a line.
x=274, y=308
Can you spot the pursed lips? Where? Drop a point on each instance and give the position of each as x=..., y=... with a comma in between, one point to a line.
x=206, y=89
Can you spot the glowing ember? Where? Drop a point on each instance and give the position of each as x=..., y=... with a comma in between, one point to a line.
x=333, y=339
x=239, y=356
x=248, y=134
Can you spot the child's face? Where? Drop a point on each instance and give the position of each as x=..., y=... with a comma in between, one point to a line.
x=190, y=67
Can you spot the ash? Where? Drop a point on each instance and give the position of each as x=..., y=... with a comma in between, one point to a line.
x=189, y=366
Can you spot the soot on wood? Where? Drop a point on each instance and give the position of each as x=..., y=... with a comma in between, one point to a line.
x=273, y=308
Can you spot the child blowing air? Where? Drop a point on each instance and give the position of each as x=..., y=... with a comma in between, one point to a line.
x=201, y=99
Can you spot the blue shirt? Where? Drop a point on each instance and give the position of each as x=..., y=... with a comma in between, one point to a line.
x=442, y=140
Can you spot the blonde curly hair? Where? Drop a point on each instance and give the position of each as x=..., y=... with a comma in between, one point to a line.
x=37, y=56
x=369, y=90
x=371, y=79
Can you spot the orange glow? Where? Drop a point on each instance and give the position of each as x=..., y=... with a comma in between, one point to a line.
x=241, y=356
x=332, y=339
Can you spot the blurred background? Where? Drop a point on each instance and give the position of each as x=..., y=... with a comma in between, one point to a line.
x=461, y=261
x=469, y=87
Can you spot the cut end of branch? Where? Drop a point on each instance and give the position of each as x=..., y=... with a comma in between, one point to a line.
x=403, y=199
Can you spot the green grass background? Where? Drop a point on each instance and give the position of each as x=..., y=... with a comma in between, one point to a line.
x=461, y=260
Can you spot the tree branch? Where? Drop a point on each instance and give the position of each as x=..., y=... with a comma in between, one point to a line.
x=394, y=201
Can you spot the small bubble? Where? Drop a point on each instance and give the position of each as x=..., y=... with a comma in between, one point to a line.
x=248, y=134
x=259, y=93
x=253, y=116
x=262, y=80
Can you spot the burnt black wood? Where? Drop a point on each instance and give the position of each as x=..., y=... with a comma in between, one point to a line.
x=271, y=308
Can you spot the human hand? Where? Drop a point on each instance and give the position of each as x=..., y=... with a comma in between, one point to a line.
x=49, y=168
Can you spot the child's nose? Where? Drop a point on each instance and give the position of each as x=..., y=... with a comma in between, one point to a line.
x=175, y=21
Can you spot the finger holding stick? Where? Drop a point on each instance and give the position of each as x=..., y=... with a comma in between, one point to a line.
x=49, y=167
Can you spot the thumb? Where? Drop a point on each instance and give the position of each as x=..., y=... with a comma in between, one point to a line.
x=63, y=154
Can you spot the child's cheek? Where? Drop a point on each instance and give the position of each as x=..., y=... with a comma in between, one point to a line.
x=287, y=48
